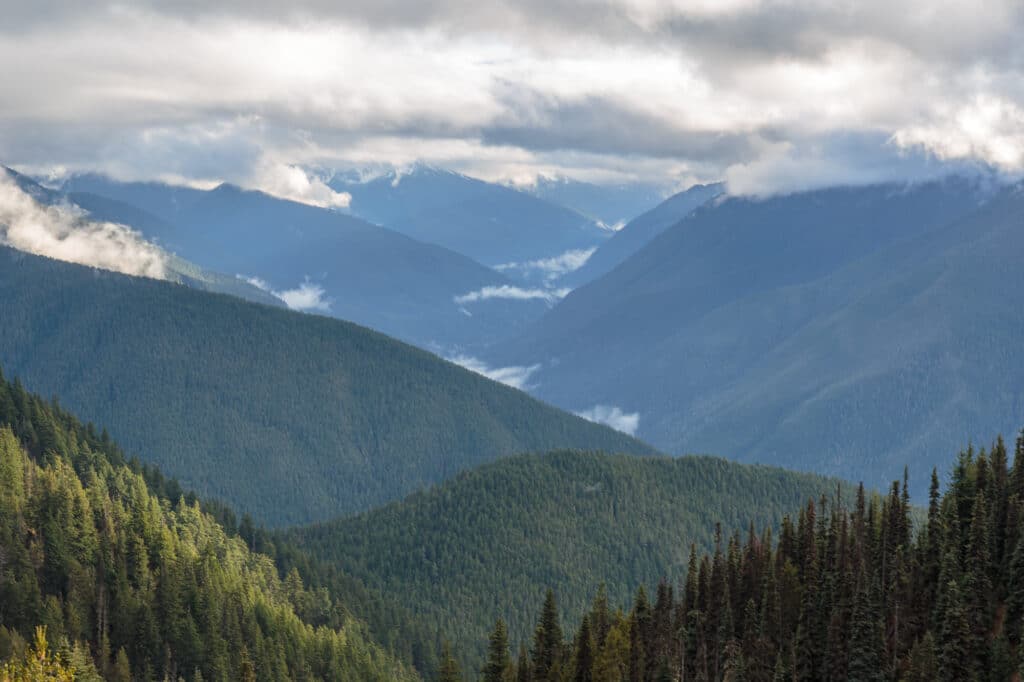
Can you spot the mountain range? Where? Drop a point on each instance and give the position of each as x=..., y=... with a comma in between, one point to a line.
x=491, y=223
x=849, y=331
x=321, y=260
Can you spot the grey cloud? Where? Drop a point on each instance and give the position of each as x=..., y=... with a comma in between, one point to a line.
x=159, y=88
x=605, y=126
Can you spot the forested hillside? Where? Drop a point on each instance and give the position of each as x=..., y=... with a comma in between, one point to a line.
x=841, y=593
x=286, y=416
x=132, y=585
x=492, y=539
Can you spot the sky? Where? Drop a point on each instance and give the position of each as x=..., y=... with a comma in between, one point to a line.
x=768, y=96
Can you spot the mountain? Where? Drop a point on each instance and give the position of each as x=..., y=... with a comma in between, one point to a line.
x=288, y=416
x=611, y=205
x=133, y=584
x=97, y=208
x=490, y=223
x=641, y=230
x=848, y=330
x=490, y=541
x=323, y=260
x=844, y=594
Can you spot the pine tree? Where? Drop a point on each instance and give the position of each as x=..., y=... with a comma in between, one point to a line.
x=449, y=670
x=498, y=662
x=547, y=641
x=865, y=638
x=923, y=665
x=122, y=671
x=584, y=665
x=524, y=667
x=954, y=659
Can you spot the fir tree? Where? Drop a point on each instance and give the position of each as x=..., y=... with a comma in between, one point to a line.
x=498, y=662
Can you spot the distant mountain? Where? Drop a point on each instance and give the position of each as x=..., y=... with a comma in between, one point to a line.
x=613, y=205
x=849, y=330
x=489, y=542
x=287, y=416
x=177, y=269
x=490, y=223
x=641, y=230
x=326, y=261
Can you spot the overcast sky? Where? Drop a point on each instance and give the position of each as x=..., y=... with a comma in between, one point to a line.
x=768, y=96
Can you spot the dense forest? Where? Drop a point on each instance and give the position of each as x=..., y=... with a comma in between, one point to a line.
x=289, y=417
x=102, y=577
x=844, y=592
x=492, y=539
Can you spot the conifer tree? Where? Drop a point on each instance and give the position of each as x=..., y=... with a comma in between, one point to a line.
x=498, y=662
x=449, y=670
x=547, y=641
x=584, y=664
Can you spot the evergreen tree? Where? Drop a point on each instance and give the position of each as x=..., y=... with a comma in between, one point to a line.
x=449, y=671
x=547, y=641
x=584, y=664
x=498, y=662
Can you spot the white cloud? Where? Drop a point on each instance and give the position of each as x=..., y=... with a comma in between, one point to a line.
x=65, y=232
x=516, y=377
x=506, y=291
x=990, y=128
x=613, y=417
x=639, y=90
x=306, y=297
x=552, y=268
x=291, y=182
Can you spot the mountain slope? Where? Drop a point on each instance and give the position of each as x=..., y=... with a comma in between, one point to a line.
x=87, y=207
x=491, y=540
x=327, y=261
x=641, y=230
x=290, y=417
x=145, y=587
x=490, y=223
x=793, y=330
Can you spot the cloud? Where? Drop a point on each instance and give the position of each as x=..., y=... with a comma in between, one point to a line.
x=990, y=128
x=516, y=377
x=291, y=182
x=307, y=297
x=613, y=417
x=667, y=91
x=65, y=232
x=507, y=291
x=551, y=268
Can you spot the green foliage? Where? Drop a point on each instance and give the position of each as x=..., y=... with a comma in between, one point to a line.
x=288, y=417
x=91, y=553
x=491, y=540
x=498, y=662
x=870, y=607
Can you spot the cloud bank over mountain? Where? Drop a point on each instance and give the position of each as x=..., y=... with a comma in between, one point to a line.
x=770, y=96
x=65, y=232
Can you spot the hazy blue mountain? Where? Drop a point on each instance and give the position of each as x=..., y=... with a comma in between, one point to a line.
x=331, y=262
x=287, y=416
x=850, y=331
x=641, y=230
x=613, y=205
x=490, y=223
x=178, y=270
